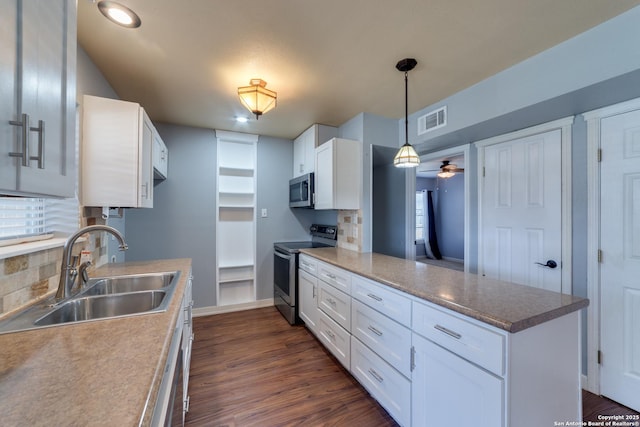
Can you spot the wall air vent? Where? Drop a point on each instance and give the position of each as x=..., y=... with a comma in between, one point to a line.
x=432, y=120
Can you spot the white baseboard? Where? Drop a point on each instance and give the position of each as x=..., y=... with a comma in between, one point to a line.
x=208, y=311
x=448, y=258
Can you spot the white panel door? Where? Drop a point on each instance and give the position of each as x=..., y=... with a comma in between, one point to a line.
x=522, y=212
x=620, y=267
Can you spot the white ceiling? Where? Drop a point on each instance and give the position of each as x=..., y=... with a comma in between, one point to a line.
x=328, y=60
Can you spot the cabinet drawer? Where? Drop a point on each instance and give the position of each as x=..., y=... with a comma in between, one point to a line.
x=336, y=304
x=386, y=385
x=335, y=339
x=388, y=339
x=386, y=301
x=473, y=342
x=335, y=276
x=308, y=264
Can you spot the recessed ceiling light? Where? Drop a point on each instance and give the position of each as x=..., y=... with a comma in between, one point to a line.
x=121, y=15
x=241, y=119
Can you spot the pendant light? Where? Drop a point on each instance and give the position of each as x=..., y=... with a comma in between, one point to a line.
x=257, y=98
x=406, y=156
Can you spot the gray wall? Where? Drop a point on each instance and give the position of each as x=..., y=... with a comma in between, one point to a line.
x=449, y=216
x=388, y=202
x=182, y=221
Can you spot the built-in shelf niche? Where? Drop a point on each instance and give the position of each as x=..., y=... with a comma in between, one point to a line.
x=236, y=218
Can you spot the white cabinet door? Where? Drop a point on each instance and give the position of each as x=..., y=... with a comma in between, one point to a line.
x=117, y=145
x=308, y=287
x=38, y=98
x=9, y=134
x=301, y=153
x=338, y=174
x=448, y=390
x=145, y=166
x=160, y=157
x=324, y=183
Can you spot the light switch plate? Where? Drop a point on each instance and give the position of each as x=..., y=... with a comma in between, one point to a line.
x=264, y=213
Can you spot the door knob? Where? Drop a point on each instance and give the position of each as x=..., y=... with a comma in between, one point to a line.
x=550, y=263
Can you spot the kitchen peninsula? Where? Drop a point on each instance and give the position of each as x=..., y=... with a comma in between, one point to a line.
x=439, y=346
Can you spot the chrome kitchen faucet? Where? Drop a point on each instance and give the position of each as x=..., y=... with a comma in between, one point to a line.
x=69, y=270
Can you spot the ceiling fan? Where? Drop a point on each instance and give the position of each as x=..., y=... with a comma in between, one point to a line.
x=447, y=169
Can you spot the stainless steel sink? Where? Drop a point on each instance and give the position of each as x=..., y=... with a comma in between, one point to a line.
x=131, y=283
x=102, y=298
x=99, y=307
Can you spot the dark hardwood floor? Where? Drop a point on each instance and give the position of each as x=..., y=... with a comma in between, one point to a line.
x=251, y=368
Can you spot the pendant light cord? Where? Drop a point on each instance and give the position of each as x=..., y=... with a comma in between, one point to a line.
x=406, y=107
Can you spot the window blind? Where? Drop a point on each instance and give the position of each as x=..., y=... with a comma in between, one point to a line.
x=25, y=219
x=21, y=219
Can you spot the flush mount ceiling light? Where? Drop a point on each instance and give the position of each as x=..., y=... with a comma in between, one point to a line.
x=406, y=156
x=121, y=15
x=257, y=98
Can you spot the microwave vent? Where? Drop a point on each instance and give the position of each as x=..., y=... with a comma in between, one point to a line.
x=432, y=120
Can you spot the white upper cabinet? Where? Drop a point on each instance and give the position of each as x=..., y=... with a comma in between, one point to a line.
x=117, y=154
x=338, y=174
x=37, y=97
x=304, y=147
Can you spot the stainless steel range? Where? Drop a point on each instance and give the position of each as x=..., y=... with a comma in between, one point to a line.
x=285, y=268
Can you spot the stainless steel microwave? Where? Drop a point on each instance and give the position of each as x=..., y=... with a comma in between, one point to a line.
x=301, y=191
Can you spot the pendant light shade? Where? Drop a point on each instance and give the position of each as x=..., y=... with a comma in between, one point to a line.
x=406, y=156
x=257, y=98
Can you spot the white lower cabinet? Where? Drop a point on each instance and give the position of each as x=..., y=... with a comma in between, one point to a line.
x=390, y=388
x=308, y=300
x=335, y=338
x=389, y=339
x=448, y=390
x=335, y=303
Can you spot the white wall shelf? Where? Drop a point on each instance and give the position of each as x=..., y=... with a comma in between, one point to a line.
x=236, y=218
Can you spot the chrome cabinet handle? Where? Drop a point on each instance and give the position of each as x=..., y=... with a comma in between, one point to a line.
x=331, y=301
x=314, y=292
x=375, y=297
x=448, y=331
x=330, y=334
x=376, y=375
x=331, y=276
x=24, y=124
x=413, y=358
x=40, y=156
x=375, y=331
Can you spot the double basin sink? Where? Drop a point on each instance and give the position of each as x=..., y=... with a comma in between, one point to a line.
x=101, y=298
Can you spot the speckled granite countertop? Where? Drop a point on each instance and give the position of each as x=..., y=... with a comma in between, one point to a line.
x=504, y=305
x=101, y=373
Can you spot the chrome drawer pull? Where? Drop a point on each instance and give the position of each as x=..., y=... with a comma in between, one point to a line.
x=448, y=332
x=330, y=334
x=331, y=276
x=375, y=297
x=375, y=331
x=40, y=156
x=331, y=301
x=24, y=124
x=375, y=375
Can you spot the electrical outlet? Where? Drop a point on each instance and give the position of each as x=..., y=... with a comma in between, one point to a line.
x=85, y=256
x=264, y=213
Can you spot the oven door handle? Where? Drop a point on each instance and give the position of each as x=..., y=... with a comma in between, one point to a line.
x=283, y=256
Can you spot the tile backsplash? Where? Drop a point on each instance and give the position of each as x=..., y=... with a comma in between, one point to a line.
x=350, y=230
x=30, y=277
